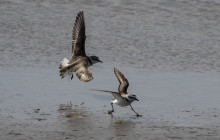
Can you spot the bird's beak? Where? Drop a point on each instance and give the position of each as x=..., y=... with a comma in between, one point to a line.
x=100, y=61
x=137, y=99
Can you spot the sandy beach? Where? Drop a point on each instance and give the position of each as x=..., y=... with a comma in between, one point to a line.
x=168, y=50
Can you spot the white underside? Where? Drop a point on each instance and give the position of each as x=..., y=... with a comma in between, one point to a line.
x=121, y=102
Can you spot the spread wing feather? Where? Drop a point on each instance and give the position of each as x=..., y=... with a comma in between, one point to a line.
x=123, y=82
x=115, y=94
x=78, y=36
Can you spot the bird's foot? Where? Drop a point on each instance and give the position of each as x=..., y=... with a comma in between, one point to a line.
x=139, y=115
x=110, y=111
x=72, y=77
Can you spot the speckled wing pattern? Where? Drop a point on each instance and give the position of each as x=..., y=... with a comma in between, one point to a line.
x=78, y=36
x=83, y=72
x=123, y=82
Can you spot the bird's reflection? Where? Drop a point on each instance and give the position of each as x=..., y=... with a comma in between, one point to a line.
x=77, y=114
x=121, y=127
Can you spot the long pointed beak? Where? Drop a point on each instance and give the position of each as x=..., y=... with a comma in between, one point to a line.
x=100, y=61
x=137, y=99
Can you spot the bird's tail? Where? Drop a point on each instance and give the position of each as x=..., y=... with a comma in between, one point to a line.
x=63, y=67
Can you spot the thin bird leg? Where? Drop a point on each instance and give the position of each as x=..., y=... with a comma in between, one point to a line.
x=135, y=112
x=72, y=77
x=110, y=111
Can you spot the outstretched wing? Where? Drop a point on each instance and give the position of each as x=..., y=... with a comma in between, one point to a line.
x=115, y=94
x=83, y=72
x=123, y=82
x=78, y=36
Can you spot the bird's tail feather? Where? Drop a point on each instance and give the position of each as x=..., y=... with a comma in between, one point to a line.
x=63, y=67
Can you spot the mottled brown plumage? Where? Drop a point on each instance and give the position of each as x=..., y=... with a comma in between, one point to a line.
x=80, y=62
x=78, y=36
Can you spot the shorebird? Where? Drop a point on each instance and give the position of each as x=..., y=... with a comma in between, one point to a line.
x=121, y=98
x=80, y=62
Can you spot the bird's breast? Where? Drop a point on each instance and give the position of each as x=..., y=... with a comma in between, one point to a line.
x=121, y=102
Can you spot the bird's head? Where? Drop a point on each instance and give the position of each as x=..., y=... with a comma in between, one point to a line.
x=132, y=97
x=95, y=59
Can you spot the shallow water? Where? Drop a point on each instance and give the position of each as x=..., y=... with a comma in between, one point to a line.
x=37, y=104
x=167, y=49
x=154, y=34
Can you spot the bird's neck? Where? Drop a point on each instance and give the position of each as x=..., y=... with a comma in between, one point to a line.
x=91, y=61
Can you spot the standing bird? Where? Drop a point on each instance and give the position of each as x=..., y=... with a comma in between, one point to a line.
x=121, y=98
x=80, y=62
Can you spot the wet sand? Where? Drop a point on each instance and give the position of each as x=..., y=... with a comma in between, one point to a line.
x=37, y=104
x=168, y=50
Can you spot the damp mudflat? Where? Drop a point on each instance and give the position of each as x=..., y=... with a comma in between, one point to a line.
x=168, y=50
x=37, y=104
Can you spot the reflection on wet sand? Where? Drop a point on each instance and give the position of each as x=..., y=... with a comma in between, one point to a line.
x=81, y=122
x=122, y=127
x=70, y=111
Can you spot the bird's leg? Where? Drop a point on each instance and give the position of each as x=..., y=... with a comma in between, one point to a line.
x=72, y=77
x=110, y=111
x=135, y=112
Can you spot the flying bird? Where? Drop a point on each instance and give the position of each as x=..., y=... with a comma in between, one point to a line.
x=80, y=62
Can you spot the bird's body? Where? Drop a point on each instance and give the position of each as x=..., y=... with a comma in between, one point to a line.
x=121, y=98
x=80, y=62
x=121, y=102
